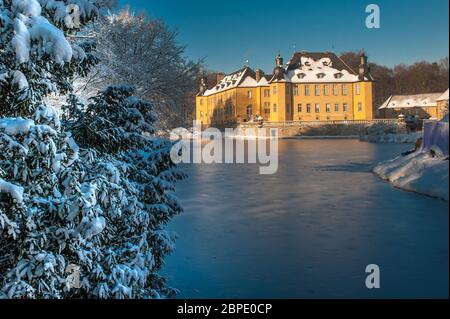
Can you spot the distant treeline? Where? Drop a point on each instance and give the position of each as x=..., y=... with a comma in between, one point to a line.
x=420, y=77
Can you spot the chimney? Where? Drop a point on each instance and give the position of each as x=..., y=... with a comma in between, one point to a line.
x=220, y=77
x=259, y=74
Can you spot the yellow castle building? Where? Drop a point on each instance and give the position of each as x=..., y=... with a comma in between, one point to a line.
x=310, y=87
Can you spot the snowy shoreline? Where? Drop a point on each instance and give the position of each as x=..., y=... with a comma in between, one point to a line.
x=426, y=170
x=417, y=172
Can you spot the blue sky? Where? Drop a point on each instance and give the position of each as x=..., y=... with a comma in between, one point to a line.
x=227, y=33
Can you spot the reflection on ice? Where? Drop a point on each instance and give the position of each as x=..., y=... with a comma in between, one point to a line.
x=308, y=231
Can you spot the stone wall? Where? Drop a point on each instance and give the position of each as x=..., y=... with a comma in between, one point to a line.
x=333, y=129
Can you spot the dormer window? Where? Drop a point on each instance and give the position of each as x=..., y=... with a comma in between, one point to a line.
x=320, y=75
x=301, y=75
x=325, y=63
x=307, y=63
x=338, y=75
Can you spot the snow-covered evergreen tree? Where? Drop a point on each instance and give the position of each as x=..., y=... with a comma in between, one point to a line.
x=35, y=56
x=99, y=209
x=120, y=126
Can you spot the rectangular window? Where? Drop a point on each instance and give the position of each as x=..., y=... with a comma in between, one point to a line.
x=299, y=108
x=336, y=89
x=359, y=107
x=266, y=93
x=308, y=108
x=296, y=90
x=274, y=108
x=346, y=107
x=357, y=89
x=317, y=108
x=306, y=90
x=267, y=107
x=317, y=90
x=249, y=93
x=201, y=101
x=344, y=89
x=325, y=90
x=336, y=107
x=328, y=107
x=274, y=90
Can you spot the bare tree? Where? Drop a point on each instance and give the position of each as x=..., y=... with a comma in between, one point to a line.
x=420, y=77
x=144, y=52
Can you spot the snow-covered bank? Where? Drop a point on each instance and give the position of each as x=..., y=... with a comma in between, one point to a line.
x=389, y=133
x=392, y=138
x=417, y=172
x=426, y=170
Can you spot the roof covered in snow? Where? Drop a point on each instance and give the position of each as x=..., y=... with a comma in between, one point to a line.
x=298, y=60
x=242, y=77
x=304, y=67
x=265, y=80
x=411, y=101
x=443, y=97
x=310, y=67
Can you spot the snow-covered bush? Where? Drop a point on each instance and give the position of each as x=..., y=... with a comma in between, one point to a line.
x=120, y=127
x=36, y=58
x=381, y=128
x=113, y=121
x=75, y=201
x=389, y=133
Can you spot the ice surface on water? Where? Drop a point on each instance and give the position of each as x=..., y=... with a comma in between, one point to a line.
x=310, y=230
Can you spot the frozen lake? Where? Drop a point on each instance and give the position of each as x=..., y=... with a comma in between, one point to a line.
x=310, y=230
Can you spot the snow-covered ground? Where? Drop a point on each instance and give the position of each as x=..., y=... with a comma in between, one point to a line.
x=418, y=172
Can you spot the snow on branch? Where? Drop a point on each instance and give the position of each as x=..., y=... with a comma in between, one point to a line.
x=16, y=192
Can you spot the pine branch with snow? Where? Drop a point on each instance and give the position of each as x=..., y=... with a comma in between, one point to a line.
x=36, y=58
